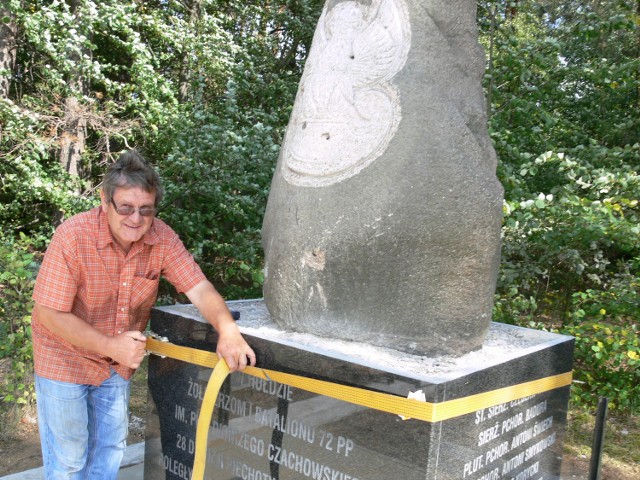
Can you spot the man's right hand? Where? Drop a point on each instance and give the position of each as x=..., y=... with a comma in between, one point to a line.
x=128, y=348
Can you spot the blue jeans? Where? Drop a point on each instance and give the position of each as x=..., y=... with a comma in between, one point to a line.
x=83, y=428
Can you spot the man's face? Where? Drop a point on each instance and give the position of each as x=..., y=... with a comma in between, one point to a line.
x=127, y=229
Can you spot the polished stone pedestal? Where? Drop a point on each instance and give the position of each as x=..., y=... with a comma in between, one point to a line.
x=262, y=430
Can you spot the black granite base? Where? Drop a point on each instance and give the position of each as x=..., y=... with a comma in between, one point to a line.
x=263, y=430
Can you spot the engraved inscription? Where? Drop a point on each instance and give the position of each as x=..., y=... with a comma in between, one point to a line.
x=244, y=429
x=511, y=443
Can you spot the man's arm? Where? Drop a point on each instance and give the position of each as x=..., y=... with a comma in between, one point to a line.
x=231, y=346
x=126, y=348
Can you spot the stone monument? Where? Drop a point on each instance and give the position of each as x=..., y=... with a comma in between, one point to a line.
x=381, y=238
x=383, y=220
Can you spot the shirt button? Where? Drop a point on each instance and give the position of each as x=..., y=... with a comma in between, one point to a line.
x=119, y=332
x=124, y=284
x=122, y=309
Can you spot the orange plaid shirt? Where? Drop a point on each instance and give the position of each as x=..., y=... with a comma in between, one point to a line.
x=85, y=272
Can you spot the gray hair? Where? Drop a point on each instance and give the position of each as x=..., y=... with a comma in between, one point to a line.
x=132, y=170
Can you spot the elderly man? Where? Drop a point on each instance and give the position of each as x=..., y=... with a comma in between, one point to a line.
x=93, y=295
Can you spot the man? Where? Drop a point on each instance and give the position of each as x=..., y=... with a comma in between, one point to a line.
x=93, y=295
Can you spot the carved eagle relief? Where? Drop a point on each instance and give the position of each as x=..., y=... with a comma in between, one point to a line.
x=347, y=109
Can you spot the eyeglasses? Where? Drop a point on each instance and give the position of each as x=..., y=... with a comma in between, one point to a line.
x=126, y=210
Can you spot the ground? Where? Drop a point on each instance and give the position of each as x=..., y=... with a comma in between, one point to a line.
x=20, y=448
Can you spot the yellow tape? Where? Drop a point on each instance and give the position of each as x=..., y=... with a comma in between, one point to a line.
x=406, y=407
x=218, y=376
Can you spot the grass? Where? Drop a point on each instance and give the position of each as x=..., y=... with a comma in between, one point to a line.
x=138, y=404
x=138, y=401
x=621, y=441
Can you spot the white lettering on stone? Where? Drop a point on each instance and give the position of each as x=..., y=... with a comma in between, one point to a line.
x=528, y=472
x=238, y=469
x=344, y=445
x=512, y=422
x=521, y=438
x=232, y=404
x=489, y=434
x=497, y=410
x=293, y=427
x=543, y=425
x=195, y=390
x=234, y=436
x=249, y=473
x=496, y=452
x=492, y=475
x=303, y=465
x=513, y=462
x=184, y=443
x=278, y=390
x=539, y=447
x=176, y=468
x=536, y=410
x=347, y=109
x=181, y=414
x=472, y=466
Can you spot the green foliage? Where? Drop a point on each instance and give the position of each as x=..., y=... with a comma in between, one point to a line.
x=94, y=54
x=217, y=175
x=607, y=344
x=582, y=232
x=205, y=89
x=607, y=363
x=35, y=192
x=216, y=190
x=563, y=87
x=202, y=88
x=17, y=277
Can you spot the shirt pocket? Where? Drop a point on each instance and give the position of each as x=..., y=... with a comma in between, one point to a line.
x=143, y=293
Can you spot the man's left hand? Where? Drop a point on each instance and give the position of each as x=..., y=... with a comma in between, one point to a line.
x=231, y=346
x=234, y=349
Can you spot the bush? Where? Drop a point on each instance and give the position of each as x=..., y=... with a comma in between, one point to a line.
x=571, y=261
x=607, y=364
x=17, y=277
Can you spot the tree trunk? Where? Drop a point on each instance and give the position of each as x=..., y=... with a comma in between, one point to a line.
x=492, y=34
x=637, y=56
x=72, y=143
x=8, y=48
x=185, y=73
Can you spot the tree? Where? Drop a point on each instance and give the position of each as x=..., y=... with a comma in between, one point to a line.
x=218, y=174
x=72, y=142
x=185, y=73
x=204, y=88
x=8, y=34
x=85, y=85
x=563, y=82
